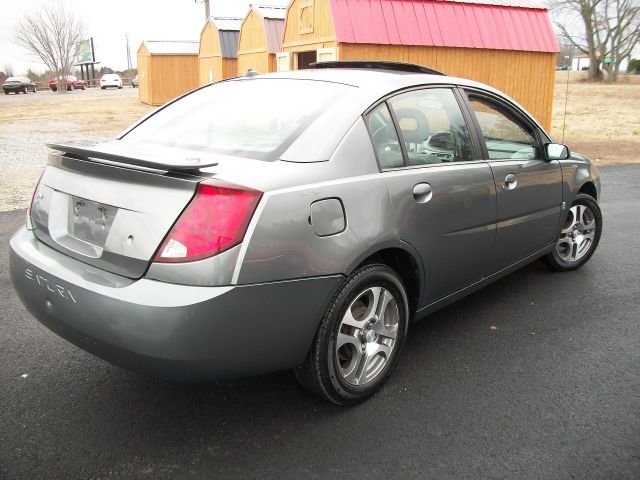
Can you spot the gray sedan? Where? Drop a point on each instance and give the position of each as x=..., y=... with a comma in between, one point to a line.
x=298, y=220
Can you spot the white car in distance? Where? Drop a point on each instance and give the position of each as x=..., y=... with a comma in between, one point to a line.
x=110, y=80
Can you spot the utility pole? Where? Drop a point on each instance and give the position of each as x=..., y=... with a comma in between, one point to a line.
x=207, y=11
x=128, y=52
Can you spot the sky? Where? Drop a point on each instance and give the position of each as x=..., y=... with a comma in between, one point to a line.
x=109, y=23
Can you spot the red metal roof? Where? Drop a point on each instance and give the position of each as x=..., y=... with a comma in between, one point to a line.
x=510, y=25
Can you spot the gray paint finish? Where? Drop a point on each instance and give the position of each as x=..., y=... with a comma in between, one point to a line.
x=326, y=207
x=175, y=332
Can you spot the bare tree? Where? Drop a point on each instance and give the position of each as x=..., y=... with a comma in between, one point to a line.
x=589, y=42
x=610, y=31
x=622, y=22
x=51, y=34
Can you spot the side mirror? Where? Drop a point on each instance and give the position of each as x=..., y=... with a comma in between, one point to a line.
x=556, y=151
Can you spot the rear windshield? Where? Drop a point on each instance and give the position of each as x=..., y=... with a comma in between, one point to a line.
x=254, y=118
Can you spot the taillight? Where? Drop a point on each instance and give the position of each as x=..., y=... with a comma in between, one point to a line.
x=215, y=220
x=33, y=195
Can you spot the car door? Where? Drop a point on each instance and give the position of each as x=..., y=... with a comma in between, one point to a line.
x=528, y=187
x=443, y=197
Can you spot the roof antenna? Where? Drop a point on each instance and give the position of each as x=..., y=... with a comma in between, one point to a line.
x=566, y=93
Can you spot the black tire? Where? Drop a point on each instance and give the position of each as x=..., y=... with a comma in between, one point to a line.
x=566, y=254
x=103, y=88
x=323, y=372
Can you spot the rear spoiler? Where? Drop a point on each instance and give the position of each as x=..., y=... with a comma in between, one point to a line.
x=100, y=156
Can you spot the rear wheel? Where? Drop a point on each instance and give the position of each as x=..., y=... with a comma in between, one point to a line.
x=579, y=236
x=359, y=338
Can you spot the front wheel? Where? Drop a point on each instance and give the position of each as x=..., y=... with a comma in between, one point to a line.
x=579, y=236
x=359, y=338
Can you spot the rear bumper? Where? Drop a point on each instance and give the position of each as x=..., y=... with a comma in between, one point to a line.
x=169, y=331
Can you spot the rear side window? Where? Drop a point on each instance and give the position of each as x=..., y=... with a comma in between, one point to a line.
x=256, y=118
x=385, y=137
x=505, y=137
x=431, y=128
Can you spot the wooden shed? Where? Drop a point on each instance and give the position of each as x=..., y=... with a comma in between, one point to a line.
x=508, y=44
x=218, y=55
x=166, y=69
x=261, y=38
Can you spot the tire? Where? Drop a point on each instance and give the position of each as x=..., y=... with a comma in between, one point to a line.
x=579, y=236
x=359, y=338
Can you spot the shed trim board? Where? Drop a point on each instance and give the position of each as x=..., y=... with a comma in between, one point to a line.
x=508, y=44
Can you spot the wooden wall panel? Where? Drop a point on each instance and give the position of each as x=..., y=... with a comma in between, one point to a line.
x=170, y=76
x=528, y=77
x=228, y=68
x=323, y=34
x=210, y=61
x=252, y=49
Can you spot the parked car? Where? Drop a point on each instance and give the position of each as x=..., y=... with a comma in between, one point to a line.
x=110, y=80
x=19, y=84
x=70, y=82
x=305, y=225
x=134, y=82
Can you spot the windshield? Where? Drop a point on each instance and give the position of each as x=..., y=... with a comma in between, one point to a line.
x=254, y=118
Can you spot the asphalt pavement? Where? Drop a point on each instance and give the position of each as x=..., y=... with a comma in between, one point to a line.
x=536, y=376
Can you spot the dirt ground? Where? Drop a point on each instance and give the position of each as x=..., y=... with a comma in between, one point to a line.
x=602, y=122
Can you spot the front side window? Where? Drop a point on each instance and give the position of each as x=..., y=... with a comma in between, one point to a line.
x=504, y=137
x=256, y=118
x=432, y=126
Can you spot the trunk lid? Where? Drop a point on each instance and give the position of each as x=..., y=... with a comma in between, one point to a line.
x=109, y=209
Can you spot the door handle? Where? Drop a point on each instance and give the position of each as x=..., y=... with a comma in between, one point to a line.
x=422, y=192
x=510, y=182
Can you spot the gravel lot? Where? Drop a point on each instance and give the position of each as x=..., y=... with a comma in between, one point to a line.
x=24, y=152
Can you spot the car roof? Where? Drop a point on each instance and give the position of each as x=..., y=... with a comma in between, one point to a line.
x=365, y=77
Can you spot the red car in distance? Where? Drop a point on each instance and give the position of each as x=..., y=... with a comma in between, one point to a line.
x=71, y=82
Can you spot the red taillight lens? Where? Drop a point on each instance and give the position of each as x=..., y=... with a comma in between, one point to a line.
x=215, y=220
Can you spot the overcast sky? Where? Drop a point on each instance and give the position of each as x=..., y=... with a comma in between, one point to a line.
x=109, y=21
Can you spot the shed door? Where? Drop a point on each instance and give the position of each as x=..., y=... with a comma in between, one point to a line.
x=283, y=62
x=327, y=54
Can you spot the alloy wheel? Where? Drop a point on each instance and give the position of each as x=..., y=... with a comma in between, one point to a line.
x=577, y=235
x=367, y=335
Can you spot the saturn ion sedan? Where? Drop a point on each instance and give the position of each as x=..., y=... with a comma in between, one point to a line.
x=297, y=220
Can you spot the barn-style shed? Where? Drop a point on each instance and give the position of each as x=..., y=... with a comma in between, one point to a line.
x=508, y=44
x=218, y=56
x=166, y=69
x=261, y=38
